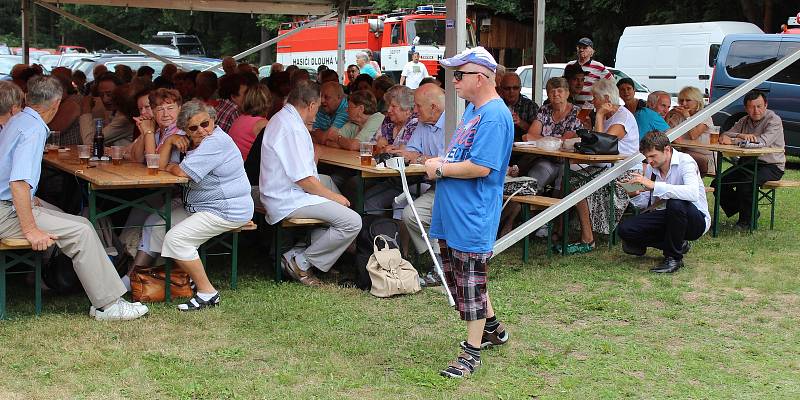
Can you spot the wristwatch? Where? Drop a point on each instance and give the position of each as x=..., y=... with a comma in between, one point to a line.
x=440, y=171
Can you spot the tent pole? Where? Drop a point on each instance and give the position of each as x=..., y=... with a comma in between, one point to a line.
x=538, y=50
x=26, y=33
x=455, y=42
x=341, y=42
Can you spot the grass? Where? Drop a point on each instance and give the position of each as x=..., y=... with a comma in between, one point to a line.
x=592, y=326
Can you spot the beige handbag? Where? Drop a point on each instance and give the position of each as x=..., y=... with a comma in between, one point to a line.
x=389, y=272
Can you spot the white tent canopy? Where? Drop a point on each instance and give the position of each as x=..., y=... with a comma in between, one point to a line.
x=293, y=7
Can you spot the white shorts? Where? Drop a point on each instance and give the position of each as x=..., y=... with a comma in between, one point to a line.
x=183, y=239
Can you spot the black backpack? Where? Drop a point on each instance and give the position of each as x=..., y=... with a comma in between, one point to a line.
x=59, y=275
x=371, y=226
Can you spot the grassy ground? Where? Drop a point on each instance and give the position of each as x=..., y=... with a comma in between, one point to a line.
x=592, y=326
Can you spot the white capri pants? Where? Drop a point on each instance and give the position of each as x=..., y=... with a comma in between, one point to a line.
x=183, y=240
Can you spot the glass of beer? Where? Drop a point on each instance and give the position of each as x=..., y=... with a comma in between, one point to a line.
x=116, y=155
x=584, y=114
x=714, y=135
x=366, y=153
x=152, y=164
x=84, y=152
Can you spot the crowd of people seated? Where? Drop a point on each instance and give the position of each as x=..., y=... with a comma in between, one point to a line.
x=245, y=144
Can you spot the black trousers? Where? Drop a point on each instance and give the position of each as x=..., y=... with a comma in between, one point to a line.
x=738, y=198
x=664, y=229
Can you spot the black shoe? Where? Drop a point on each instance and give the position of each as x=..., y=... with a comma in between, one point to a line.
x=632, y=249
x=668, y=266
x=686, y=246
x=743, y=225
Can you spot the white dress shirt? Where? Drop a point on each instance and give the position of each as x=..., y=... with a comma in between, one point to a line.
x=683, y=182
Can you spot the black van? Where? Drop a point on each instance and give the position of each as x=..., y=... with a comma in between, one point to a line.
x=741, y=56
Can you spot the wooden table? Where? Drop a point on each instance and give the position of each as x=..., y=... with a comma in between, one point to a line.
x=103, y=176
x=726, y=152
x=352, y=160
x=571, y=157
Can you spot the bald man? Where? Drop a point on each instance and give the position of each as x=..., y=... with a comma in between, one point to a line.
x=524, y=109
x=332, y=114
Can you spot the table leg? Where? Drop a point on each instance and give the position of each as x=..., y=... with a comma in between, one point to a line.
x=526, y=242
x=92, y=206
x=168, y=261
x=360, y=194
x=565, y=217
x=754, y=206
x=612, y=214
x=717, y=195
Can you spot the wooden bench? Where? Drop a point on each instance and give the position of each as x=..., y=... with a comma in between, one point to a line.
x=284, y=224
x=233, y=247
x=12, y=253
x=767, y=193
x=535, y=203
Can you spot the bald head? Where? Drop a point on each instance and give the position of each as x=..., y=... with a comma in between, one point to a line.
x=429, y=102
x=509, y=88
x=331, y=95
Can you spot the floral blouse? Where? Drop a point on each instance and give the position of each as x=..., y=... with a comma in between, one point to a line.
x=558, y=129
x=387, y=130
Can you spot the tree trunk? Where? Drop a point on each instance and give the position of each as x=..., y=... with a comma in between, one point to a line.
x=751, y=12
x=768, y=28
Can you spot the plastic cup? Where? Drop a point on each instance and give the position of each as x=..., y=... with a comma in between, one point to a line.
x=152, y=163
x=116, y=155
x=84, y=152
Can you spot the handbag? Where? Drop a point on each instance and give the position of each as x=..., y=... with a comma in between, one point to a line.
x=147, y=284
x=596, y=143
x=389, y=272
x=521, y=185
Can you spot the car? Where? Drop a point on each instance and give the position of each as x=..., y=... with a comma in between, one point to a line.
x=264, y=71
x=161, y=50
x=7, y=62
x=66, y=49
x=741, y=56
x=525, y=73
x=187, y=45
x=51, y=61
x=136, y=61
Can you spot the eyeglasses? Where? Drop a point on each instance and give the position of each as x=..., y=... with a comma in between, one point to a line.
x=205, y=124
x=459, y=75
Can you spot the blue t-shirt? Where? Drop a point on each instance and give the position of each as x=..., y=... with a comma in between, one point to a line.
x=466, y=212
x=21, y=149
x=218, y=183
x=369, y=70
x=323, y=121
x=649, y=120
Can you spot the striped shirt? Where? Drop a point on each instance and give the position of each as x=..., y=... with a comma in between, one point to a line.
x=594, y=72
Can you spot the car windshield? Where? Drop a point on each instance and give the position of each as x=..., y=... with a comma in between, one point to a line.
x=636, y=85
x=431, y=32
x=6, y=63
x=160, y=50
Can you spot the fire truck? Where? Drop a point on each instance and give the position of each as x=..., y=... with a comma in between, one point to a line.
x=391, y=38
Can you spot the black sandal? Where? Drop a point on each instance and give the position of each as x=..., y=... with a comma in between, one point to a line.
x=196, y=303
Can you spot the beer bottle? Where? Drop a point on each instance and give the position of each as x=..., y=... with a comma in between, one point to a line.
x=98, y=144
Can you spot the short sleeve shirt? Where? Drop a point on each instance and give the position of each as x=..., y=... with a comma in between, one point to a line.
x=428, y=139
x=414, y=72
x=406, y=132
x=22, y=143
x=526, y=110
x=369, y=70
x=466, y=212
x=648, y=120
x=218, y=183
x=628, y=144
x=323, y=121
x=365, y=132
x=558, y=129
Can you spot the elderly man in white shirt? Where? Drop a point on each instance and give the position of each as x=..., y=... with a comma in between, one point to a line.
x=674, y=199
x=291, y=188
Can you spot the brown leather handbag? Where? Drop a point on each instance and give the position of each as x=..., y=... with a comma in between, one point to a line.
x=147, y=284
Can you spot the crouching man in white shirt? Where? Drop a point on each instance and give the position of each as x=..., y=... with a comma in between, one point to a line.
x=674, y=204
x=290, y=187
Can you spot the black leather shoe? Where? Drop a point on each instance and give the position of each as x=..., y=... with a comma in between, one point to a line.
x=668, y=266
x=686, y=246
x=632, y=249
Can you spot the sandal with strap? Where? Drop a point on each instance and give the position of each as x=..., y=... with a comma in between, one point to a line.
x=464, y=366
x=196, y=303
x=580, y=247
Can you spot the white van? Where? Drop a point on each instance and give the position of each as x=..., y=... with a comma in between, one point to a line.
x=669, y=57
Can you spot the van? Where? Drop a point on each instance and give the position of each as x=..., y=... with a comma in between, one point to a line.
x=743, y=56
x=187, y=45
x=670, y=57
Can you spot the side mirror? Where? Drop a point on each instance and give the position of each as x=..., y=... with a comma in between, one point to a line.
x=415, y=41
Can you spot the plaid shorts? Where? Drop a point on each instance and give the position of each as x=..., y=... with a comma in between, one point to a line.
x=465, y=275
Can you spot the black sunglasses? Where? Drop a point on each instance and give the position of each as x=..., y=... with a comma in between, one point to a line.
x=459, y=75
x=204, y=124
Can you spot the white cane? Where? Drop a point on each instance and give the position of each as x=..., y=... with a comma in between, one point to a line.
x=399, y=164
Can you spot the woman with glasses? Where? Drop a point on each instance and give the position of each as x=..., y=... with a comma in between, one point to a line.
x=216, y=198
x=690, y=102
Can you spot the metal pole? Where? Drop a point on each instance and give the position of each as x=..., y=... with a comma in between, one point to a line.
x=274, y=40
x=101, y=31
x=26, y=34
x=538, y=51
x=341, y=41
x=619, y=168
x=455, y=42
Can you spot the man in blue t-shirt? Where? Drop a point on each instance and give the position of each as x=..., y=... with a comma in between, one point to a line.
x=469, y=195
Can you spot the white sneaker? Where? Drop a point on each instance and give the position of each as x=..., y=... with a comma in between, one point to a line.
x=93, y=309
x=121, y=310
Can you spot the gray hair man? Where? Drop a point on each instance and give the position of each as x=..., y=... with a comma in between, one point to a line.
x=21, y=217
x=659, y=101
x=11, y=101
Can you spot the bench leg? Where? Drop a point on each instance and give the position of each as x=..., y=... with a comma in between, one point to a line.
x=277, y=247
x=549, y=239
x=771, y=195
x=3, y=286
x=526, y=210
x=37, y=278
x=234, y=259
